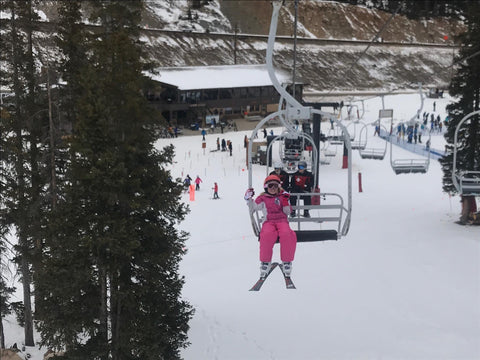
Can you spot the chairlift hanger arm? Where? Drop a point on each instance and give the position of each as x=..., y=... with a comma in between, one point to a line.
x=455, y=175
x=285, y=121
x=412, y=120
x=289, y=99
x=253, y=136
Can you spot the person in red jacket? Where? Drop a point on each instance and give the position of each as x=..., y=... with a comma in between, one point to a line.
x=302, y=181
x=276, y=203
x=215, y=191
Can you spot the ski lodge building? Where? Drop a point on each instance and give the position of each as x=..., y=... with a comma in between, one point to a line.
x=197, y=95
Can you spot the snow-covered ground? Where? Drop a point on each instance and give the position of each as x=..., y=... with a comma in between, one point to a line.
x=403, y=284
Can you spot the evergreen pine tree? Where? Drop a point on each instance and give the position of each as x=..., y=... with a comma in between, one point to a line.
x=5, y=289
x=111, y=262
x=65, y=268
x=71, y=40
x=4, y=223
x=465, y=86
x=22, y=132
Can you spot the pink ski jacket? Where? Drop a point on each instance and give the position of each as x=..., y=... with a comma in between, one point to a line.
x=277, y=206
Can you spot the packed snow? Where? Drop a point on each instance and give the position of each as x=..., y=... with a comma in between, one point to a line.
x=403, y=284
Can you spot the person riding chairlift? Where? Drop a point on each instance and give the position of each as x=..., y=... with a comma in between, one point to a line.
x=302, y=181
x=275, y=201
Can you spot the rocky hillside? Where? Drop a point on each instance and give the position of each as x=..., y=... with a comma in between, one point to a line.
x=316, y=18
x=322, y=67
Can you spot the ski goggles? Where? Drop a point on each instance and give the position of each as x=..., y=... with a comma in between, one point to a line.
x=273, y=185
x=301, y=167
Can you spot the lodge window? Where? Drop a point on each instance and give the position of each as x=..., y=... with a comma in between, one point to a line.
x=190, y=97
x=226, y=93
x=254, y=92
x=210, y=94
x=268, y=91
x=243, y=93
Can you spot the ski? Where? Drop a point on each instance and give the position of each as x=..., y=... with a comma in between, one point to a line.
x=258, y=285
x=288, y=280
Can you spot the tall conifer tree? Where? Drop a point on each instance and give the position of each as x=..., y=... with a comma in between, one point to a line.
x=21, y=132
x=465, y=86
x=111, y=264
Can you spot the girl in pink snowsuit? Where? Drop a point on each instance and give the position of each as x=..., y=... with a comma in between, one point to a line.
x=276, y=203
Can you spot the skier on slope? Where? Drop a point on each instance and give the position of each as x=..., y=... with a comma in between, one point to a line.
x=197, y=183
x=187, y=182
x=276, y=203
x=215, y=191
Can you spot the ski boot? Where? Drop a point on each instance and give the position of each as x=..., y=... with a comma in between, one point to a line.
x=265, y=268
x=287, y=268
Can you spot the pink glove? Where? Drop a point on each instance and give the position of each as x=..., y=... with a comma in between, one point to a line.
x=249, y=194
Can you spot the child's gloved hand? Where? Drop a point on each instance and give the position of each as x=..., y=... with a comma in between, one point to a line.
x=285, y=198
x=249, y=194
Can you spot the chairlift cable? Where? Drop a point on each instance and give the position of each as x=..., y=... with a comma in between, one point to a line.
x=294, y=47
x=370, y=43
x=461, y=60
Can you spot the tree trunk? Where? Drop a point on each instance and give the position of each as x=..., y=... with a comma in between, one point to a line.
x=115, y=316
x=27, y=303
x=468, y=206
x=2, y=336
x=104, y=311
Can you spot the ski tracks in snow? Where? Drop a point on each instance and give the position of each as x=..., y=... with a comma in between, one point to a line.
x=211, y=350
x=216, y=330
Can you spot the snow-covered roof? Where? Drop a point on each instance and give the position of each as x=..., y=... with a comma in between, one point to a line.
x=218, y=77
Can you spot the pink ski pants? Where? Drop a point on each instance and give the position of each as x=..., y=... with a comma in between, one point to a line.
x=272, y=230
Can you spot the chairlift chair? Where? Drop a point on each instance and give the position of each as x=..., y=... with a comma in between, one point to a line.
x=324, y=159
x=354, y=132
x=409, y=165
x=377, y=153
x=412, y=166
x=361, y=143
x=334, y=210
x=466, y=182
x=288, y=159
x=330, y=153
x=292, y=148
x=335, y=136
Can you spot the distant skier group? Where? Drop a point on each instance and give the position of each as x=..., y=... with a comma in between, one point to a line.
x=188, y=181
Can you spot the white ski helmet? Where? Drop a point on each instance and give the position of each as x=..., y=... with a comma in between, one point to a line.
x=278, y=165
